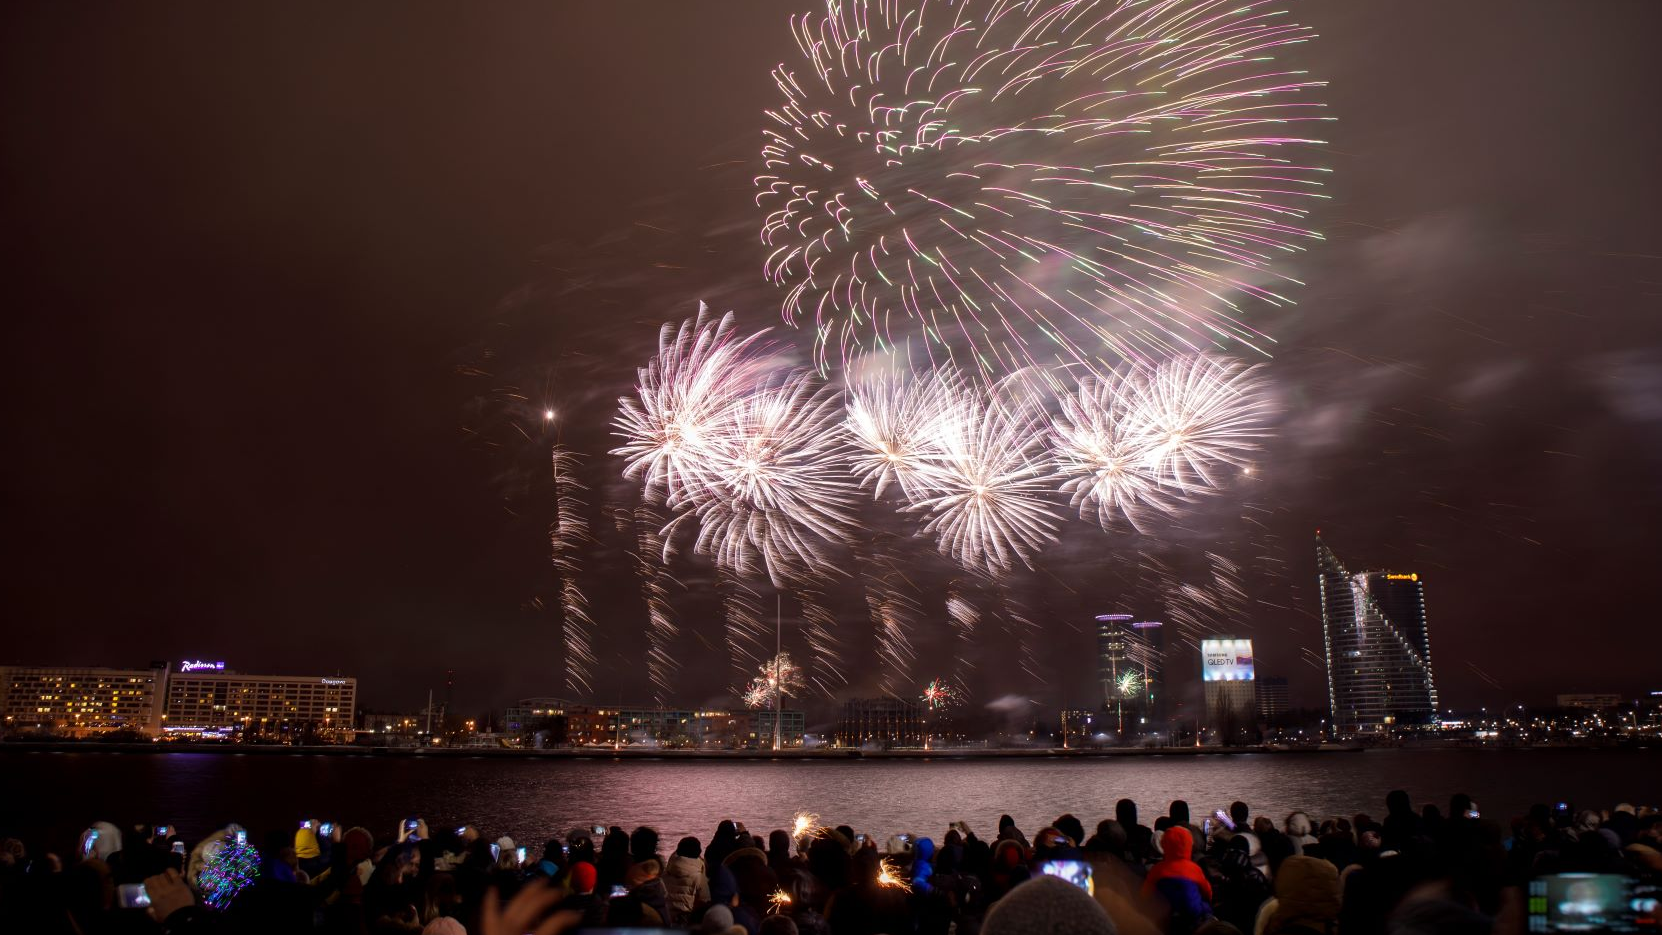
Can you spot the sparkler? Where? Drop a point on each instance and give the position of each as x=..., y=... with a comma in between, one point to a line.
x=806, y=824
x=1044, y=179
x=888, y=874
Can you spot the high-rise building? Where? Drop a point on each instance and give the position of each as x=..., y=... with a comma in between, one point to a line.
x=1226, y=671
x=1378, y=648
x=1148, y=648
x=1112, y=656
x=81, y=700
x=1273, y=698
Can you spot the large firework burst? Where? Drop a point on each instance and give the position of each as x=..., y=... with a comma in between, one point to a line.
x=1025, y=181
x=987, y=495
x=720, y=430
x=1192, y=416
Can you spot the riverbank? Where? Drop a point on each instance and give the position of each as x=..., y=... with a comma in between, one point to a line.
x=657, y=754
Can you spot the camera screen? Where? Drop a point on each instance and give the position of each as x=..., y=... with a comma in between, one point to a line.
x=1591, y=902
x=1076, y=872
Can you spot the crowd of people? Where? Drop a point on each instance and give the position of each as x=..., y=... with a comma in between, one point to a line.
x=1410, y=870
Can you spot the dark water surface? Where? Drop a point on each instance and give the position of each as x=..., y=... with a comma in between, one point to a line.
x=51, y=796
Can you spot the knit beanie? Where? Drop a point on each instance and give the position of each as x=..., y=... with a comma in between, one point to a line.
x=1047, y=905
x=583, y=876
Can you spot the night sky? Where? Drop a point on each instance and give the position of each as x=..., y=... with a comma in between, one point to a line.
x=289, y=286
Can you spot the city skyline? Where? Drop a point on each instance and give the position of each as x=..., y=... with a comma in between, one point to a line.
x=291, y=396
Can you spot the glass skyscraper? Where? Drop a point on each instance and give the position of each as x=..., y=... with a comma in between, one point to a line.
x=1378, y=648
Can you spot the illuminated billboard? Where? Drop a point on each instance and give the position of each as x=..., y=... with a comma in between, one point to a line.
x=1226, y=660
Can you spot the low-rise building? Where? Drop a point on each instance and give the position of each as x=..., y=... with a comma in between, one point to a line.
x=81, y=701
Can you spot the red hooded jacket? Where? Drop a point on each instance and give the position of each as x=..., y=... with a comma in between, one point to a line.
x=1175, y=846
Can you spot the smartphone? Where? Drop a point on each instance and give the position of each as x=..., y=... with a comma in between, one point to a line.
x=461, y=831
x=306, y=823
x=327, y=828
x=597, y=829
x=163, y=831
x=132, y=896
x=242, y=836
x=619, y=890
x=179, y=848
x=1206, y=827
x=410, y=824
x=1077, y=872
x=519, y=855
x=1223, y=816
x=89, y=842
x=1591, y=902
x=860, y=839
x=565, y=850
x=496, y=852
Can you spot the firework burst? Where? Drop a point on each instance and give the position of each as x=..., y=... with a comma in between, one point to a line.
x=1100, y=461
x=778, y=494
x=724, y=435
x=1192, y=416
x=938, y=696
x=566, y=537
x=987, y=497
x=1044, y=179
x=779, y=679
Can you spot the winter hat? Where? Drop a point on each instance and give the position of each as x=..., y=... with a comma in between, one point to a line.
x=444, y=925
x=583, y=876
x=717, y=920
x=1047, y=905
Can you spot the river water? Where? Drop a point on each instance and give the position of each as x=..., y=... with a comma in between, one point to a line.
x=49, y=797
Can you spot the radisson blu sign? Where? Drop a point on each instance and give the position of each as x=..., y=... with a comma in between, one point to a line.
x=197, y=665
x=1226, y=660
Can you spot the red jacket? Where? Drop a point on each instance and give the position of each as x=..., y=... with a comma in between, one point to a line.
x=1175, y=864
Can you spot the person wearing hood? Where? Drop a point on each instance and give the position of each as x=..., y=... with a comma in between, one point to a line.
x=1139, y=839
x=1047, y=905
x=1007, y=831
x=646, y=883
x=686, y=882
x=1052, y=844
x=312, y=850
x=923, y=865
x=1008, y=870
x=99, y=842
x=582, y=879
x=725, y=841
x=1178, y=880
x=1300, y=831
x=1242, y=888
x=1306, y=898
